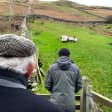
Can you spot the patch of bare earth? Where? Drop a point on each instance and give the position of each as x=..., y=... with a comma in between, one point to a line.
x=101, y=12
x=4, y=9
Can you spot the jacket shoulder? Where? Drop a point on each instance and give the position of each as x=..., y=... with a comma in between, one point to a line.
x=74, y=67
x=54, y=67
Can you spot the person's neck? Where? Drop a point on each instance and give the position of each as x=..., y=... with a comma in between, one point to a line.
x=12, y=77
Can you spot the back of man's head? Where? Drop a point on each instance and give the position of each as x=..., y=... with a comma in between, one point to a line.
x=16, y=53
x=64, y=52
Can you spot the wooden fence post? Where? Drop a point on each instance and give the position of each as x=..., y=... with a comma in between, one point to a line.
x=83, y=95
x=88, y=97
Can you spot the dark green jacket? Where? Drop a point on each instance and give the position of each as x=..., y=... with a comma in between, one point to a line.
x=63, y=80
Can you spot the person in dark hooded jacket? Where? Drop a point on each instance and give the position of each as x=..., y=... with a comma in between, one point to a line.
x=63, y=80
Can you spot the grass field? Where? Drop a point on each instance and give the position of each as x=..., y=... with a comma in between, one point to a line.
x=92, y=53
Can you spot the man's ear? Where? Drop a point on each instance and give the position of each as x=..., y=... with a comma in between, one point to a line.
x=30, y=69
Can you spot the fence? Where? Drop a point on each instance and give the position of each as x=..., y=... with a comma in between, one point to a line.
x=88, y=98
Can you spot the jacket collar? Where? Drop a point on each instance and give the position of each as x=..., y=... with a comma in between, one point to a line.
x=7, y=83
x=10, y=78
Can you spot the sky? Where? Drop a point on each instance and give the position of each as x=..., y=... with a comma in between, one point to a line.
x=107, y=3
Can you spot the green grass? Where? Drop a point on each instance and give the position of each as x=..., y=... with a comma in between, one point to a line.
x=91, y=53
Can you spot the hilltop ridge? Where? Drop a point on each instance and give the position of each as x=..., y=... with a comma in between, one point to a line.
x=60, y=9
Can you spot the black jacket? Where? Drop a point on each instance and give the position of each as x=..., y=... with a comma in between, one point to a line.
x=18, y=99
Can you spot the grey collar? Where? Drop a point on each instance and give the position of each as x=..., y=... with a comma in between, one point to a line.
x=7, y=83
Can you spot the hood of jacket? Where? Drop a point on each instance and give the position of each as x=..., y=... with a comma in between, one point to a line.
x=64, y=62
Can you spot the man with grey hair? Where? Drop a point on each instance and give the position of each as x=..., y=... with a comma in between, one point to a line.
x=16, y=66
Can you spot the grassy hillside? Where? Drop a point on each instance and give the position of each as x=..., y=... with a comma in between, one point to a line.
x=92, y=53
x=66, y=9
